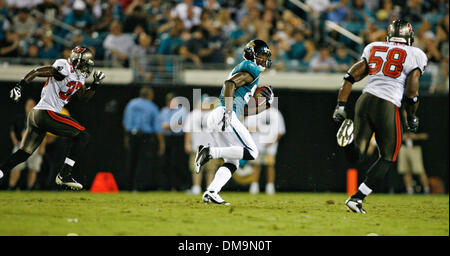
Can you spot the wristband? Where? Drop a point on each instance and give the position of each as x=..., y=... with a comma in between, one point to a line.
x=411, y=101
x=348, y=77
x=231, y=81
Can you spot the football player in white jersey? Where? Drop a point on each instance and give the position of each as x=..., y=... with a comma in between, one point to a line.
x=64, y=79
x=394, y=68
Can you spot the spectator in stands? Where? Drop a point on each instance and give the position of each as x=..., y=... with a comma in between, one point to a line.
x=140, y=58
x=32, y=55
x=413, y=11
x=19, y=4
x=211, y=6
x=118, y=45
x=343, y=58
x=244, y=10
x=49, y=8
x=4, y=22
x=225, y=22
x=372, y=34
x=65, y=53
x=102, y=23
x=243, y=33
x=4, y=10
x=9, y=46
x=48, y=49
x=24, y=24
x=339, y=11
x=300, y=50
x=171, y=42
x=94, y=7
x=316, y=17
x=195, y=47
x=79, y=17
x=359, y=12
x=188, y=13
x=143, y=140
x=172, y=118
x=385, y=14
x=442, y=37
x=323, y=62
x=135, y=15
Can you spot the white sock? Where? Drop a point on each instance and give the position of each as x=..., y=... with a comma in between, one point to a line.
x=223, y=175
x=1, y=174
x=227, y=152
x=69, y=161
x=365, y=189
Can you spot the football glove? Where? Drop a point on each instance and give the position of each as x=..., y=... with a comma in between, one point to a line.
x=98, y=76
x=413, y=123
x=16, y=92
x=268, y=94
x=339, y=114
x=226, y=120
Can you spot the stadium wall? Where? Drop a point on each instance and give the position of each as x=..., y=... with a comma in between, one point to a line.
x=308, y=157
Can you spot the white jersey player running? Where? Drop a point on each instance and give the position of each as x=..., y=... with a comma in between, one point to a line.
x=394, y=68
x=64, y=79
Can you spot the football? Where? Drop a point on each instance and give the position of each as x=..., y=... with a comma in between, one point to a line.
x=259, y=97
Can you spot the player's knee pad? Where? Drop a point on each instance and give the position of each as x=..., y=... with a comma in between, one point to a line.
x=250, y=154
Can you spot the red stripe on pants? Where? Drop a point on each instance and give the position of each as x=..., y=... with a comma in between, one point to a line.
x=398, y=132
x=65, y=120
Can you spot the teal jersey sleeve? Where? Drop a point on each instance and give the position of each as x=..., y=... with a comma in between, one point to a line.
x=242, y=94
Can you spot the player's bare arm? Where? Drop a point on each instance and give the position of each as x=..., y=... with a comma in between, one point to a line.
x=46, y=71
x=411, y=101
x=230, y=86
x=356, y=73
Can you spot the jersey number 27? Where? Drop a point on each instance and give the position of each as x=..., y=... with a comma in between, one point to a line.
x=393, y=65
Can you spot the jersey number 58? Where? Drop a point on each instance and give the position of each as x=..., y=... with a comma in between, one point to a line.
x=393, y=65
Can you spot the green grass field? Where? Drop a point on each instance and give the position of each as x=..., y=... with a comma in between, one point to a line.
x=173, y=214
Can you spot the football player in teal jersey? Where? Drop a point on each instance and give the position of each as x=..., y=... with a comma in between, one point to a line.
x=232, y=140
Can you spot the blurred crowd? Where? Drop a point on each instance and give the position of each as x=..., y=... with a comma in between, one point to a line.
x=206, y=32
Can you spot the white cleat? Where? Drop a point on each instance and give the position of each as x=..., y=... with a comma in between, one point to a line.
x=355, y=205
x=345, y=133
x=213, y=197
x=68, y=181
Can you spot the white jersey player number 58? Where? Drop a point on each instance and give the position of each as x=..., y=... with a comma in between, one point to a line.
x=393, y=65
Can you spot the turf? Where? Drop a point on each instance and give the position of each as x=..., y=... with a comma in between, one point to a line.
x=173, y=214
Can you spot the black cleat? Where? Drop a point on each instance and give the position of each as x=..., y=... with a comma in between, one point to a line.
x=68, y=181
x=202, y=157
